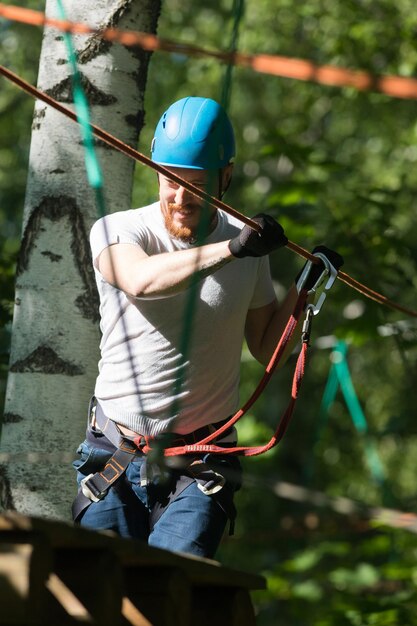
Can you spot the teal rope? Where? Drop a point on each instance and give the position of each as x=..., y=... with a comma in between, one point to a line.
x=339, y=376
x=92, y=165
x=356, y=412
x=238, y=12
x=94, y=175
x=202, y=233
x=158, y=447
x=191, y=304
x=341, y=368
x=95, y=179
x=330, y=392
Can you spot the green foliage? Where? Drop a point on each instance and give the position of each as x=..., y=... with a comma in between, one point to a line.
x=330, y=583
x=335, y=166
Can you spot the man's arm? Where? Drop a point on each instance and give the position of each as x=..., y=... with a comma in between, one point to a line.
x=265, y=325
x=129, y=268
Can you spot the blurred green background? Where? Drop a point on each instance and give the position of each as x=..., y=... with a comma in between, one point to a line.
x=334, y=166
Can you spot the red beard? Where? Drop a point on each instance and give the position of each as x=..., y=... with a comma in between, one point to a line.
x=177, y=230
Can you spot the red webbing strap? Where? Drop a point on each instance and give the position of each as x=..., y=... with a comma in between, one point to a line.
x=275, y=439
x=204, y=446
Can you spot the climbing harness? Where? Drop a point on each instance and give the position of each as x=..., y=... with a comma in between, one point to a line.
x=117, y=451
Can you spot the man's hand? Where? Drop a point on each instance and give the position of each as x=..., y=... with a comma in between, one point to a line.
x=251, y=243
x=310, y=278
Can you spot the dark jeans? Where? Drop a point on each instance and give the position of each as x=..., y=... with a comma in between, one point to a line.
x=192, y=522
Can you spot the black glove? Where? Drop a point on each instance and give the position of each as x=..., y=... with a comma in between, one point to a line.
x=251, y=243
x=316, y=269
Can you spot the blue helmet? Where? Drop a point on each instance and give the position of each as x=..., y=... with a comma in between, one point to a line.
x=195, y=133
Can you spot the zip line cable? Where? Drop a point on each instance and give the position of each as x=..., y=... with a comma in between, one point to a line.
x=131, y=152
x=200, y=193
x=274, y=65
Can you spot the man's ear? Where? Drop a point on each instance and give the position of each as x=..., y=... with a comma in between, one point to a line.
x=226, y=177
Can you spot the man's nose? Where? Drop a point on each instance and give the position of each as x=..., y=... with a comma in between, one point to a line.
x=182, y=195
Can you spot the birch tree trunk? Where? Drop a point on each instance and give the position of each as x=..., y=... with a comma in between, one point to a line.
x=55, y=340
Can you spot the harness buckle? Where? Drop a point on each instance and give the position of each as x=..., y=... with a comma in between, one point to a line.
x=208, y=480
x=94, y=497
x=213, y=485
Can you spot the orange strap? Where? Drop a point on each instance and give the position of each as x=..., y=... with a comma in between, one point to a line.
x=274, y=65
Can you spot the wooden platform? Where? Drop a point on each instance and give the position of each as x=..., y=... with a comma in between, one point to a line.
x=52, y=573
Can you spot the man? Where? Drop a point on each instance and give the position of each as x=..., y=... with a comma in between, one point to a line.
x=150, y=383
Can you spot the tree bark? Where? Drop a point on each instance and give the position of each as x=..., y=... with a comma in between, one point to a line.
x=55, y=339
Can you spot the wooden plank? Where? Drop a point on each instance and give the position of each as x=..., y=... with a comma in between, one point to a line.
x=131, y=616
x=131, y=553
x=64, y=608
x=24, y=569
x=93, y=578
x=222, y=607
x=162, y=596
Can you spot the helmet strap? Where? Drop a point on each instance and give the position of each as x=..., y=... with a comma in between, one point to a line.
x=225, y=176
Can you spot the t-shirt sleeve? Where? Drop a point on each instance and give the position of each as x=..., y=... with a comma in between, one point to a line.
x=264, y=292
x=111, y=229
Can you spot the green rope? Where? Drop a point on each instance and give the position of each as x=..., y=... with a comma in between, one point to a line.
x=202, y=233
x=95, y=180
x=92, y=165
x=357, y=414
x=93, y=170
x=330, y=391
x=191, y=303
x=165, y=440
x=339, y=376
x=238, y=12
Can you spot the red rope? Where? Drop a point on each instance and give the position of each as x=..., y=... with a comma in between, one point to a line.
x=124, y=148
x=204, y=447
x=117, y=144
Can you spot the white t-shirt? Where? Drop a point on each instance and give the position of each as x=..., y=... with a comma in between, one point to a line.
x=143, y=358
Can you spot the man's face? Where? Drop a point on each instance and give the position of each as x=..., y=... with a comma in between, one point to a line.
x=182, y=210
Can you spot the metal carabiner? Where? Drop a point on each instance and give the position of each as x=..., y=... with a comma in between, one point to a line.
x=306, y=330
x=321, y=285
